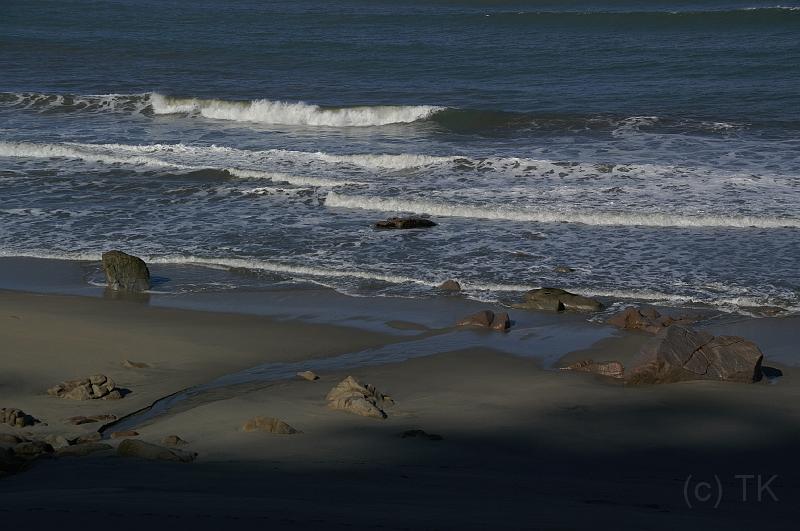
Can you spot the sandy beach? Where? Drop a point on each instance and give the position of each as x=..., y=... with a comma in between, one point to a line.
x=520, y=445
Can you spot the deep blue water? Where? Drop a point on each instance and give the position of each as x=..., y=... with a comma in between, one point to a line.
x=651, y=146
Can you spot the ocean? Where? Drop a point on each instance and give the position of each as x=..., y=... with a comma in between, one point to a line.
x=651, y=147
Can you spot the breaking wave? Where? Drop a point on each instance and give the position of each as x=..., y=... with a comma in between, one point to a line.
x=652, y=219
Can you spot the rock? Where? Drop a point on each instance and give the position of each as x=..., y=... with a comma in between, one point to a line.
x=554, y=299
x=308, y=375
x=83, y=449
x=98, y=386
x=125, y=272
x=128, y=364
x=16, y=418
x=351, y=396
x=56, y=441
x=487, y=319
x=647, y=319
x=679, y=353
x=80, y=419
x=123, y=434
x=421, y=434
x=173, y=440
x=450, y=285
x=613, y=369
x=141, y=449
x=563, y=269
x=269, y=425
x=32, y=449
x=405, y=223
x=89, y=437
x=8, y=439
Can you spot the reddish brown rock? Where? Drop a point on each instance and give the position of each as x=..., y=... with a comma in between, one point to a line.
x=679, y=353
x=487, y=319
x=647, y=319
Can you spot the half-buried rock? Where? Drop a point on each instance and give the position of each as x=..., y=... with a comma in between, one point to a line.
x=351, y=396
x=557, y=300
x=92, y=388
x=680, y=353
x=137, y=448
x=487, y=319
x=614, y=369
x=405, y=223
x=269, y=425
x=125, y=272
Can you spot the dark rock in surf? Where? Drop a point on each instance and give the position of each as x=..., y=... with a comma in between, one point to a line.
x=487, y=319
x=556, y=300
x=679, y=353
x=125, y=272
x=450, y=285
x=405, y=223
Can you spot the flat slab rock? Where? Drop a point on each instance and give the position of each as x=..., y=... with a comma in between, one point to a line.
x=153, y=452
x=487, y=319
x=679, y=353
x=614, y=369
x=95, y=387
x=558, y=300
x=365, y=400
x=648, y=320
x=405, y=223
x=268, y=425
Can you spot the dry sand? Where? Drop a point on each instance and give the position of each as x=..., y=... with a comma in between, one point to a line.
x=521, y=447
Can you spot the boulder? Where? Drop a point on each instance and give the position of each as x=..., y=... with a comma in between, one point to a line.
x=32, y=449
x=97, y=386
x=679, y=353
x=647, y=319
x=143, y=450
x=351, y=396
x=269, y=425
x=173, y=440
x=613, y=369
x=83, y=449
x=125, y=272
x=554, y=299
x=450, y=285
x=56, y=441
x=308, y=375
x=487, y=319
x=405, y=223
x=16, y=418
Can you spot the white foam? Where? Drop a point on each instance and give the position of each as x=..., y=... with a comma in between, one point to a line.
x=648, y=219
x=286, y=113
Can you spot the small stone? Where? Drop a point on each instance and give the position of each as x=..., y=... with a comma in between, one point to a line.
x=269, y=425
x=124, y=433
x=308, y=375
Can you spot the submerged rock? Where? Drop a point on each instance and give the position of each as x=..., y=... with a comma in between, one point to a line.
x=556, y=300
x=92, y=388
x=143, y=450
x=16, y=418
x=487, y=319
x=648, y=320
x=351, y=396
x=32, y=449
x=420, y=434
x=405, y=223
x=614, y=369
x=269, y=425
x=679, y=353
x=125, y=272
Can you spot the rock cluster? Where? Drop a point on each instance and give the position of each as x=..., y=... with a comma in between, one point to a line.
x=360, y=399
x=487, y=319
x=558, y=300
x=679, y=353
x=125, y=272
x=92, y=388
x=613, y=369
x=647, y=319
x=405, y=223
x=269, y=425
x=16, y=417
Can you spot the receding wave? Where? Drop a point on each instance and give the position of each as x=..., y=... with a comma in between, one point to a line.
x=289, y=113
x=132, y=155
x=649, y=219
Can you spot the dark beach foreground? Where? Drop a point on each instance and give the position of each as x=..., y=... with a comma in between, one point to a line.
x=483, y=433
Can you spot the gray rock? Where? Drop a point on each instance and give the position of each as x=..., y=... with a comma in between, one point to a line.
x=555, y=299
x=679, y=353
x=450, y=285
x=308, y=375
x=125, y=272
